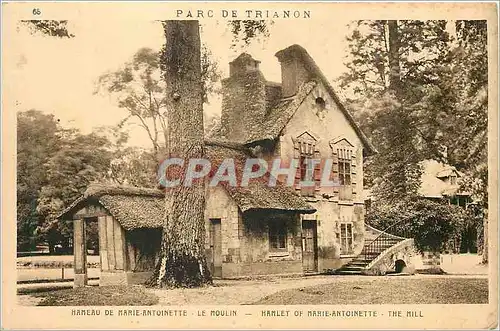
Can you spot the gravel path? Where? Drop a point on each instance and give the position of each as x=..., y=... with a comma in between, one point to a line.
x=241, y=292
x=235, y=292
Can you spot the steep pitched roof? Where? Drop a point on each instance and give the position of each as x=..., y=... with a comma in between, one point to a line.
x=277, y=118
x=270, y=126
x=316, y=72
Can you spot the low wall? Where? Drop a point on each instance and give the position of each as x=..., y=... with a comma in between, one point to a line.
x=235, y=270
x=386, y=261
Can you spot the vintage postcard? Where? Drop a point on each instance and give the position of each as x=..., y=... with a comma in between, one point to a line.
x=276, y=165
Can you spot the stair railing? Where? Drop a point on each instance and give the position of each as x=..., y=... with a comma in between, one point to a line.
x=383, y=240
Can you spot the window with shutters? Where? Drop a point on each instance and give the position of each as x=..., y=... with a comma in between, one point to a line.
x=306, y=150
x=346, y=238
x=344, y=168
x=345, y=160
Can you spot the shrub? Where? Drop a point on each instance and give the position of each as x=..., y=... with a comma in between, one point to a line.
x=433, y=225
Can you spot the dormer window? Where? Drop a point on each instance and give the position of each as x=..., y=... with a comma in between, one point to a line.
x=345, y=160
x=344, y=168
x=306, y=149
x=453, y=179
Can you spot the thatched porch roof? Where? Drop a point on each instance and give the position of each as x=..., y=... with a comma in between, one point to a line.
x=132, y=207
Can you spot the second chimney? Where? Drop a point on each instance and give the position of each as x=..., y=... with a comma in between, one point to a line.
x=293, y=69
x=243, y=98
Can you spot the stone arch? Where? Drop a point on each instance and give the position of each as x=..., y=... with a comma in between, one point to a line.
x=399, y=266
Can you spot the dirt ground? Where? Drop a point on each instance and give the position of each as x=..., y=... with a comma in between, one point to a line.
x=463, y=274
x=417, y=289
x=234, y=292
x=243, y=292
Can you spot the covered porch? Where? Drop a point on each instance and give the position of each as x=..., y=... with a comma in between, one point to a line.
x=129, y=232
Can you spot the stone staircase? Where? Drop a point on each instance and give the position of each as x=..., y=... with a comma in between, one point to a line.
x=377, y=243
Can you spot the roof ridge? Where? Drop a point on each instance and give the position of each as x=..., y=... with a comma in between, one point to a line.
x=293, y=103
x=97, y=190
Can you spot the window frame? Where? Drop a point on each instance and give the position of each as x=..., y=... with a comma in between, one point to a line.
x=307, y=152
x=344, y=164
x=453, y=179
x=278, y=234
x=344, y=236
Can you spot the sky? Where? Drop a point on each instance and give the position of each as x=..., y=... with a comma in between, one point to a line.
x=58, y=76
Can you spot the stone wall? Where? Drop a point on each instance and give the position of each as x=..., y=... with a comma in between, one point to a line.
x=220, y=206
x=293, y=71
x=245, y=239
x=326, y=127
x=329, y=216
x=387, y=261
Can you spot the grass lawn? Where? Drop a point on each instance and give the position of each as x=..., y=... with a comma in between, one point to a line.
x=396, y=290
x=98, y=296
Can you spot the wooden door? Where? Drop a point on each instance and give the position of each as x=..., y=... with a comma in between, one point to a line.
x=309, y=246
x=215, y=248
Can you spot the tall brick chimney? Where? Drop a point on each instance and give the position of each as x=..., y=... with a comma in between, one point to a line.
x=243, y=98
x=293, y=69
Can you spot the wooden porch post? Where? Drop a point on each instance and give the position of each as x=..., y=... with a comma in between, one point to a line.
x=79, y=253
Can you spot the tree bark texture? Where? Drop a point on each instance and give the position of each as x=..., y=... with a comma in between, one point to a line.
x=394, y=65
x=182, y=260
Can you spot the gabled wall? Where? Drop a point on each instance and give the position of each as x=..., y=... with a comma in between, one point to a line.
x=327, y=126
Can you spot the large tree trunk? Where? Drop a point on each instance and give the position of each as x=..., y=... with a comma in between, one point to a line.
x=182, y=258
x=394, y=65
